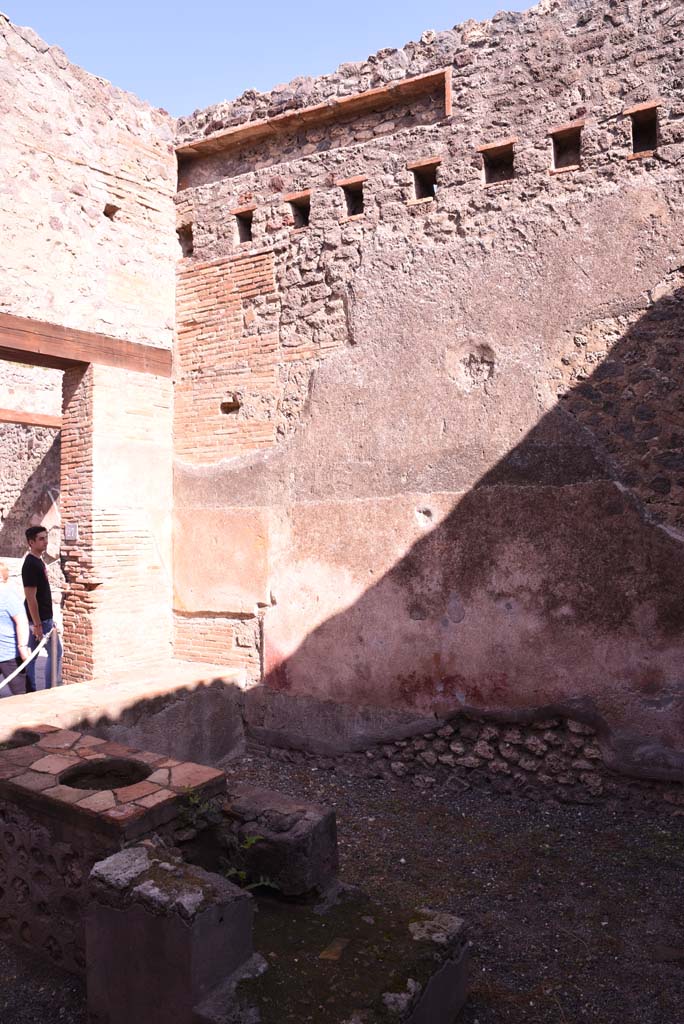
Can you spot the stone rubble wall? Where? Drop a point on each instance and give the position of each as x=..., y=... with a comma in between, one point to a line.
x=29, y=486
x=567, y=42
x=554, y=758
x=30, y=458
x=463, y=45
x=31, y=389
x=462, y=483
x=75, y=147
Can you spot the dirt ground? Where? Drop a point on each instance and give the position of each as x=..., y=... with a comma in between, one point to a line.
x=576, y=913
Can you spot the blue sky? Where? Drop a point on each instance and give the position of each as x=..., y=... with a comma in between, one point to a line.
x=189, y=54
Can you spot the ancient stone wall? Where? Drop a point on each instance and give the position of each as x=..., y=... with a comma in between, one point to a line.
x=458, y=473
x=88, y=174
x=30, y=458
x=29, y=488
x=88, y=178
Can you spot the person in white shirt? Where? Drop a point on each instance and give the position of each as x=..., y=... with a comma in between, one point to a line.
x=13, y=636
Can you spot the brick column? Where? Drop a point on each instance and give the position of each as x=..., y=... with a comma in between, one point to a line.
x=76, y=499
x=116, y=486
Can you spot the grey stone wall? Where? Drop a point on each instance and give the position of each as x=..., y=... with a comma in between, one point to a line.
x=29, y=483
x=29, y=458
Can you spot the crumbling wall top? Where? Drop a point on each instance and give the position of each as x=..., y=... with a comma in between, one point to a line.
x=518, y=41
x=88, y=175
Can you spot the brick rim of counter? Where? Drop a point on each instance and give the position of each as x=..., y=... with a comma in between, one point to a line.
x=30, y=775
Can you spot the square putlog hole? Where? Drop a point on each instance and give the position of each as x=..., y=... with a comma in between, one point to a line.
x=499, y=164
x=353, y=196
x=231, y=405
x=644, y=130
x=185, y=239
x=567, y=148
x=244, y=225
x=301, y=210
x=425, y=181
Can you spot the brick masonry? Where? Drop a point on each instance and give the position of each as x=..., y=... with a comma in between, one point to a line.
x=227, y=400
x=220, y=640
x=76, y=477
x=225, y=355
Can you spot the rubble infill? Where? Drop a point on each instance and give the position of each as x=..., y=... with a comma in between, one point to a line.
x=555, y=758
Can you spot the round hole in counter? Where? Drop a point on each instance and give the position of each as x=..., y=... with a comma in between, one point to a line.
x=105, y=773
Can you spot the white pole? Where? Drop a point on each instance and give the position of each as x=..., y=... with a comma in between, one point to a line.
x=53, y=657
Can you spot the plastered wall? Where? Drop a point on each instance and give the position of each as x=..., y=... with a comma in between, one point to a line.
x=463, y=483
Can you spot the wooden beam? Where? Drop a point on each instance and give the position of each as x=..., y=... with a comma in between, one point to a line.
x=322, y=113
x=358, y=180
x=491, y=147
x=639, y=108
x=569, y=126
x=43, y=344
x=428, y=161
x=30, y=419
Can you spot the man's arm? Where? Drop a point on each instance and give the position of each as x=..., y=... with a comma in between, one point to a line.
x=21, y=627
x=34, y=614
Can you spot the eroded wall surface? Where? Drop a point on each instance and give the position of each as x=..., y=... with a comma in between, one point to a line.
x=438, y=460
x=87, y=174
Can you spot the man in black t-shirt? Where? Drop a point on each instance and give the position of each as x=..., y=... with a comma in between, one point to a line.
x=39, y=606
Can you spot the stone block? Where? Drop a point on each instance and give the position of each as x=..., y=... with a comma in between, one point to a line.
x=440, y=999
x=160, y=936
x=290, y=843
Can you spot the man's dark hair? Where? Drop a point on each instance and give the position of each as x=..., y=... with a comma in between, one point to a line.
x=33, y=532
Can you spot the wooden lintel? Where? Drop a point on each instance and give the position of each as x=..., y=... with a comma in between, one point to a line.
x=641, y=108
x=371, y=100
x=295, y=197
x=30, y=419
x=345, y=182
x=500, y=144
x=43, y=344
x=428, y=161
x=568, y=127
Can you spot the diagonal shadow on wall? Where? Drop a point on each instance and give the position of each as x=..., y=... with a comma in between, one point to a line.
x=34, y=499
x=559, y=577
